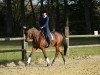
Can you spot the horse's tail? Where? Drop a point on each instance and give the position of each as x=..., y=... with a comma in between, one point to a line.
x=64, y=43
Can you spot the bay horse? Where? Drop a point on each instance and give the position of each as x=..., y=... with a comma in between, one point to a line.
x=40, y=43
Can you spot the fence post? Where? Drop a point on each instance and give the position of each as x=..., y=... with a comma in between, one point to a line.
x=68, y=31
x=24, y=45
x=67, y=34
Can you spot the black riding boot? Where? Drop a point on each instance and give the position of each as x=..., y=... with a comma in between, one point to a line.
x=46, y=39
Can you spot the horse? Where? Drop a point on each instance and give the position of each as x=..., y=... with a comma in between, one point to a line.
x=39, y=42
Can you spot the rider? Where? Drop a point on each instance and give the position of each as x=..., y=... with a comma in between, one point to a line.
x=44, y=25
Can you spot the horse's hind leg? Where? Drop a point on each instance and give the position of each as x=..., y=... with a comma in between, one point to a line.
x=56, y=54
x=61, y=54
x=30, y=56
x=62, y=57
x=46, y=58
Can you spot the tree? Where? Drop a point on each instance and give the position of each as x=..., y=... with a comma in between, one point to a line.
x=9, y=18
x=87, y=16
x=66, y=18
x=81, y=17
x=42, y=7
x=57, y=16
x=22, y=16
x=34, y=18
x=52, y=11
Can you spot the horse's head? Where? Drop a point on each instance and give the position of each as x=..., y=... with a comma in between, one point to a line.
x=28, y=33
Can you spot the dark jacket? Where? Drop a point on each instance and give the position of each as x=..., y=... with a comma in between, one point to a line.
x=44, y=25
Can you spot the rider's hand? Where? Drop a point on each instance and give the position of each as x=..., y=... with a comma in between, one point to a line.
x=41, y=27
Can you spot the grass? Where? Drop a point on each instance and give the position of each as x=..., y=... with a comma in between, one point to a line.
x=6, y=45
x=84, y=51
x=73, y=52
x=10, y=57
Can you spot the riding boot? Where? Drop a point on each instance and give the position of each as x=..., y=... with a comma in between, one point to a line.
x=46, y=39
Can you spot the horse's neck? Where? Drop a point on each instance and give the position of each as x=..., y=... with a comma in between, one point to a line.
x=36, y=32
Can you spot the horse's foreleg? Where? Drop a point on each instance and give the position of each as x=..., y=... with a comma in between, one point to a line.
x=30, y=56
x=46, y=58
x=29, y=59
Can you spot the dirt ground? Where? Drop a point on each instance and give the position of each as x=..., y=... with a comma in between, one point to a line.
x=78, y=66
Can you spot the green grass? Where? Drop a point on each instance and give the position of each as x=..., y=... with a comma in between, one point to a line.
x=84, y=51
x=6, y=45
x=73, y=52
x=9, y=57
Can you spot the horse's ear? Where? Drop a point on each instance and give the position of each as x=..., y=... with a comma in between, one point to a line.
x=24, y=27
x=27, y=28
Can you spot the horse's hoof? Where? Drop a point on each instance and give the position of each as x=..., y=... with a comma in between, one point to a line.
x=64, y=63
x=48, y=65
x=52, y=64
x=27, y=63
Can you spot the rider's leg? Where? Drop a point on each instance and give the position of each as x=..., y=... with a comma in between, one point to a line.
x=45, y=37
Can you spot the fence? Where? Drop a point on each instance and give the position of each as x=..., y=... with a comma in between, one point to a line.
x=82, y=36
x=23, y=43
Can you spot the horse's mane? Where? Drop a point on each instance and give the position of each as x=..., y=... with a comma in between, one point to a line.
x=35, y=31
x=31, y=27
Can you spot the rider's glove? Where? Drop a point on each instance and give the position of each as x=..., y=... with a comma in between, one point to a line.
x=41, y=27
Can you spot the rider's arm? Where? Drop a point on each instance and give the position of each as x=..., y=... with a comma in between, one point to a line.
x=45, y=23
